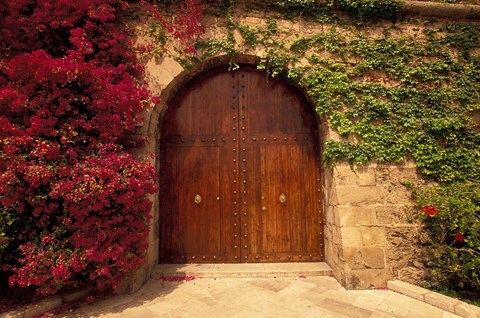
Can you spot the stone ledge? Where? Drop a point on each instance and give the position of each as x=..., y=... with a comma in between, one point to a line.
x=74, y=295
x=439, y=10
x=467, y=310
x=13, y=314
x=442, y=10
x=42, y=306
x=442, y=301
x=45, y=305
x=449, y=304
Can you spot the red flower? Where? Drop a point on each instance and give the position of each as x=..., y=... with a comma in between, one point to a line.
x=459, y=237
x=430, y=210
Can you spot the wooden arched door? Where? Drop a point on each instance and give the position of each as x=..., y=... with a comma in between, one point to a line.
x=240, y=173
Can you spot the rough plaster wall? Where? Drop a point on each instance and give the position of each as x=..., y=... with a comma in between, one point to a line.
x=370, y=234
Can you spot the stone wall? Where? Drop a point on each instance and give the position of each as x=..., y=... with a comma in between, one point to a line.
x=371, y=231
x=371, y=234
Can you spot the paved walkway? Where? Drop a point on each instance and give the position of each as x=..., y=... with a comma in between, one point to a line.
x=258, y=297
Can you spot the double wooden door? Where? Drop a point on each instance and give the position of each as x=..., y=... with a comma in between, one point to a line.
x=239, y=172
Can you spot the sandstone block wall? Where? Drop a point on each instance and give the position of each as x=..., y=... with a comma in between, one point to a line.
x=371, y=234
x=371, y=231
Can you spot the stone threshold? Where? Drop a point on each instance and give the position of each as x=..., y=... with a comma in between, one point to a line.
x=449, y=304
x=253, y=270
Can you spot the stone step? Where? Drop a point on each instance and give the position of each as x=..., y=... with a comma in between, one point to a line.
x=242, y=270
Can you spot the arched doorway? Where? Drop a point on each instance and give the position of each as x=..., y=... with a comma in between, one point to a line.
x=239, y=172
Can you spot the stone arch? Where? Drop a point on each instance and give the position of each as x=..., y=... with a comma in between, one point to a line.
x=174, y=77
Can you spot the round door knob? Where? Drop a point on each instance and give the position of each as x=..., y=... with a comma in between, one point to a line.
x=264, y=208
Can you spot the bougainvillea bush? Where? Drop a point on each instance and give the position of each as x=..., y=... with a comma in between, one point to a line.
x=74, y=203
x=64, y=27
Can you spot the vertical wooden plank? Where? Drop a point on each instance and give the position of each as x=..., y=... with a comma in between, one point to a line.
x=196, y=175
x=252, y=217
x=295, y=198
x=313, y=218
x=281, y=209
x=268, y=189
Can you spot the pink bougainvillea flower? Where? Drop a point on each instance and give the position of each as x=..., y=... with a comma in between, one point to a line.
x=430, y=210
x=155, y=99
x=459, y=237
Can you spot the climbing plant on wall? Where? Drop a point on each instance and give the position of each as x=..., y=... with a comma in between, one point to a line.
x=390, y=98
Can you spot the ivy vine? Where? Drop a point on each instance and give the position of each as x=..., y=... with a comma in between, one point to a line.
x=389, y=97
x=395, y=96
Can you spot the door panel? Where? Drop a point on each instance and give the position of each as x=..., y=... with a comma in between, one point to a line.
x=202, y=107
x=272, y=108
x=197, y=159
x=194, y=229
x=276, y=231
x=242, y=143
